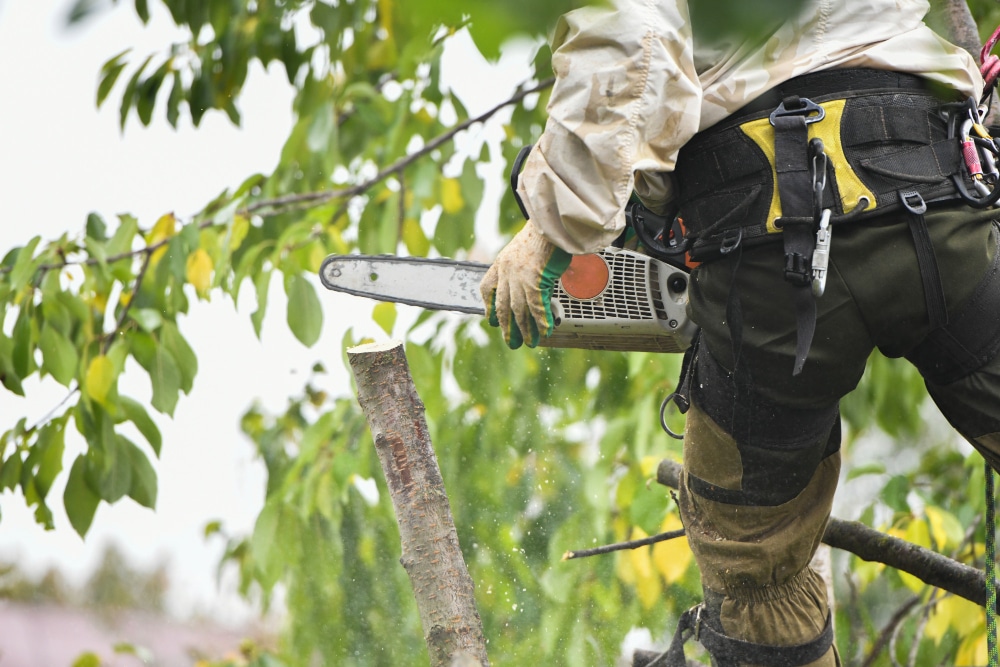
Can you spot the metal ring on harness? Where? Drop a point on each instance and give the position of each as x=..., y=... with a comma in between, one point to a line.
x=663, y=419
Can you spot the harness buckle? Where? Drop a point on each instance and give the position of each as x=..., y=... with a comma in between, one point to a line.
x=731, y=240
x=919, y=207
x=799, y=106
x=797, y=269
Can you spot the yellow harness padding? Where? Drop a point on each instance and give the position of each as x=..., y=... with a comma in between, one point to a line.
x=828, y=130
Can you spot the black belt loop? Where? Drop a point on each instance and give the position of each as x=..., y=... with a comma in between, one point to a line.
x=930, y=276
x=795, y=191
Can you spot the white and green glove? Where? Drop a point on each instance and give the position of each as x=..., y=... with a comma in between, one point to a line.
x=517, y=288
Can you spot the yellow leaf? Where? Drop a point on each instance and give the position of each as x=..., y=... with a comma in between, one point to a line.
x=384, y=315
x=972, y=651
x=647, y=584
x=100, y=378
x=649, y=464
x=451, y=196
x=918, y=533
x=416, y=241
x=199, y=271
x=967, y=618
x=238, y=230
x=672, y=557
x=316, y=257
x=945, y=528
x=165, y=228
x=424, y=116
x=125, y=298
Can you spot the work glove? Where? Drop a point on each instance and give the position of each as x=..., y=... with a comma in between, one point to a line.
x=517, y=288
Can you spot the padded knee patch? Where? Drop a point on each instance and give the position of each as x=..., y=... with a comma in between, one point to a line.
x=779, y=448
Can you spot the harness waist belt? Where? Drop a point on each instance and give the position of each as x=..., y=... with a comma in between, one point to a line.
x=884, y=132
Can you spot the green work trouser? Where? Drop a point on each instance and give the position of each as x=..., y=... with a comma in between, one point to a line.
x=761, y=452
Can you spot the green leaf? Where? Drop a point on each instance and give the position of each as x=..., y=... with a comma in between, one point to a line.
x=262, y=282
x=10, y=471
x=144, y=486
x=8, y=376
x=895, y=492
x=305, y=313
x=47, y=455
x=174, y=100
x=264, y=544
x=79, y=499
x=96, y=229
x=142, y=9
x=24, y=266
x=147, y=318
x=136, y=413
x=121, y=242
x=166, y=379
x=870, y=469
x=110, y=72
x=109, y=472
x=187, y=363
x=128, y=97
x=59, y=356
x=87, y=659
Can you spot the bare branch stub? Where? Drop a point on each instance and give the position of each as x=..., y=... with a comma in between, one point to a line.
x=430, y=550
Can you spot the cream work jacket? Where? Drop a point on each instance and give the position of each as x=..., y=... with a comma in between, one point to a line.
x=632, y=87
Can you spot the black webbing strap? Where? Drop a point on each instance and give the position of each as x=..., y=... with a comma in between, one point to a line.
x=795, y=191
x=724, y=648
x=930, y=276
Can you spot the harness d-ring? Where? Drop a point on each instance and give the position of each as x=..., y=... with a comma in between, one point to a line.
x=663, y=419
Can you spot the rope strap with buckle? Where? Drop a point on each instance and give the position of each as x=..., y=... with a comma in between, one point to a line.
x=692, y=626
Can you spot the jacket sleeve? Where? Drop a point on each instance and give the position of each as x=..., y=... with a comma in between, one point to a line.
x=626, y=98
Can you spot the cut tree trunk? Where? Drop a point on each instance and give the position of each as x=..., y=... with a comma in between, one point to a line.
x=431, y=555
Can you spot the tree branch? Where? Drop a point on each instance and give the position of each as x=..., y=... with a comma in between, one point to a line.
x=309, y=199
x=871, y=545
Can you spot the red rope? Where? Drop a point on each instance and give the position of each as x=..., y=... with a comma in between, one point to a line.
x=990, y=64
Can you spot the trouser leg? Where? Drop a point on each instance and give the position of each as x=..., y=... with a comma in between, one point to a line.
x=755, y=509
x=961, y=365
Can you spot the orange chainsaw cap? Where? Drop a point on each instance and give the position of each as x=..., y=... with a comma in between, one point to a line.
x=587, y=277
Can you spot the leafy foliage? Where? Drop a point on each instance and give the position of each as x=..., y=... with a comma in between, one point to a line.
x=542, y=451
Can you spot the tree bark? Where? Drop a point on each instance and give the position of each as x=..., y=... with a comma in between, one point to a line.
x=868, y=544
x=957, y=24
x=431, y=555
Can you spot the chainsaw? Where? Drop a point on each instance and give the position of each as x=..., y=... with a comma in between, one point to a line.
x=615, y=299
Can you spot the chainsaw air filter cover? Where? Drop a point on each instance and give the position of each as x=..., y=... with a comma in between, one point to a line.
x=640, y=303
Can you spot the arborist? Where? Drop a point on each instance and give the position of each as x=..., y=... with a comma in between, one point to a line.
x=836, y=189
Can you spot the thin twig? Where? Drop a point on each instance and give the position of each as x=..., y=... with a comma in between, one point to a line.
x=308, y=199
x=887, y=632
x=120, y=324
x=621, y=546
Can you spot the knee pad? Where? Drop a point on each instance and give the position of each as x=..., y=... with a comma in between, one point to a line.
x=779, y=447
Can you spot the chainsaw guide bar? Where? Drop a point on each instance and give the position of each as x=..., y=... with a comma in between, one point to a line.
x=633, y=302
